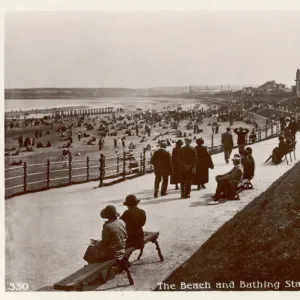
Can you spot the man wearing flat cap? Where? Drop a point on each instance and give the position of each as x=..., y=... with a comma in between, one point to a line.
x=113, y=241
x=228, y=182
x=135, y=219
x=161, y=160
x=187, y=160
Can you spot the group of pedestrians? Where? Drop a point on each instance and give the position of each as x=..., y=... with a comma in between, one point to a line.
x=186, y=165
x=189, y=165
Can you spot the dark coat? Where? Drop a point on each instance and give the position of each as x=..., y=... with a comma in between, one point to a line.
x=241, y=140
x=175, y=177
x=293, y=127
x=187, y=159
x=227, y=140
x=135, y=219
x=161, y=160
x=249, y=166
x=204, y=163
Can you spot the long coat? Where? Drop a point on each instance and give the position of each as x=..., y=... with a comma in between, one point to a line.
x=187, y=159
x=227, y=140
x=204, y=163
x=175, y=176
x=161, y=160
x=135, y=219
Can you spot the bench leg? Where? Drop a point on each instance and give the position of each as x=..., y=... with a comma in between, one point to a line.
x=248, y=185
x=122, y=263
x=141, y=253
x=158, y=250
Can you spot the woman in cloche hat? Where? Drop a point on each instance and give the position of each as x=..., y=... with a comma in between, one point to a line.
x=113, y=241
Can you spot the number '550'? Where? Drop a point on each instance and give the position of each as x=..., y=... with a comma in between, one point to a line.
x=18, y=286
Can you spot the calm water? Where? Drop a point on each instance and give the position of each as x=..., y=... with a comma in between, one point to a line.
x=125, y=102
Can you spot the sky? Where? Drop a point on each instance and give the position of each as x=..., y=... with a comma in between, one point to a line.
x=148, y=49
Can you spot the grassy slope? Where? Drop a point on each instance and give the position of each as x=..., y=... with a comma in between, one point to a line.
x=262, y=242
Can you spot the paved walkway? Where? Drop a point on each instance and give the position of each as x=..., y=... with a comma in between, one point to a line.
x=47, y=232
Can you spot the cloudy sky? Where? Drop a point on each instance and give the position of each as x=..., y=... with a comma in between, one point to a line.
x=144, y=49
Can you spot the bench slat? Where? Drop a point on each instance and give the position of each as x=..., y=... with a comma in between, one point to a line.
x=88, y=272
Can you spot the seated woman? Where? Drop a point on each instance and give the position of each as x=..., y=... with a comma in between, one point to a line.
x=279, y=151
x=114, y=236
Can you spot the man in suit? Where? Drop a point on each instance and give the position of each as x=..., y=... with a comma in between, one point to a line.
x=161, y=160
x=228, y=182
x=187, y=160
x=242, y=137
x=135, y=219
x=227, y=142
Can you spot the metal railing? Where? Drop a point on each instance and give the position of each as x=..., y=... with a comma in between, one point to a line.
x=27, y=178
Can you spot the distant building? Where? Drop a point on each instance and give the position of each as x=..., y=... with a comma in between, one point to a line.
x=268, y=88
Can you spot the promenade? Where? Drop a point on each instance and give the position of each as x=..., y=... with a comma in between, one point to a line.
x=47, y=232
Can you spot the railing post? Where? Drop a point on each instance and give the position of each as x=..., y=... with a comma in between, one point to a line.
x=124, y=164
x=266, y=132
x=212, y=144
x=87, y=169
x=70, y=170
x=272, y=129
x=144, y=160
x=130, y=159
x=118, y=160
x=102, y=169
x=141, y=162
x=25, y=177
x=48, y=173
x=151, y=167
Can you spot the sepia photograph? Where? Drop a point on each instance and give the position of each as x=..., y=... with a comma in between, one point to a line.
x=152, y=150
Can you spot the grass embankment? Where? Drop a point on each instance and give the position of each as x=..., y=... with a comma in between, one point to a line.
x=261, y=243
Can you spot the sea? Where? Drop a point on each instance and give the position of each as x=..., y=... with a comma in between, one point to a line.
x=130, y=103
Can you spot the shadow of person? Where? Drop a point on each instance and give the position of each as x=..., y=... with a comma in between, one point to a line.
x=157, y=201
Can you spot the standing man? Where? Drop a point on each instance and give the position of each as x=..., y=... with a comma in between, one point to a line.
x=227, y=142
x=161, y=160
x=242, y=138
x=187, y=160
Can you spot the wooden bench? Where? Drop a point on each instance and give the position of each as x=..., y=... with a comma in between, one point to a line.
x=101, y=271
x=244, y=184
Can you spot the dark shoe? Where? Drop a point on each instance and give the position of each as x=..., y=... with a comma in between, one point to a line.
x=227, y=161
x=216, y=197
x=164, y=194
x=203, y=186
x=155, y=195
x=176, y=187
x=188, y=196
x=199, y=188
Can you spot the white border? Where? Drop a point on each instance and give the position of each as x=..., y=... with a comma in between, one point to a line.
x=137, y=5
